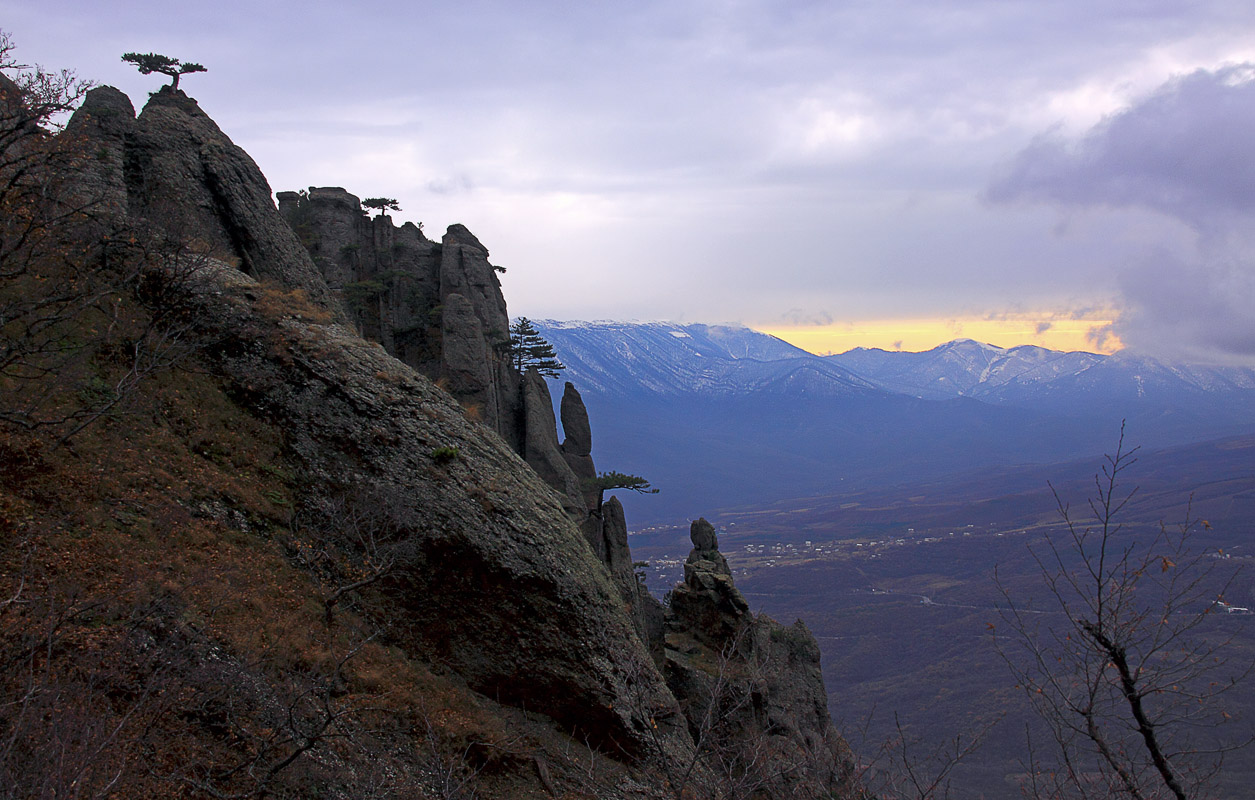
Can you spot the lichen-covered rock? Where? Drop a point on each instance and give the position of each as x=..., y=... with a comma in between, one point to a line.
x=497, y=583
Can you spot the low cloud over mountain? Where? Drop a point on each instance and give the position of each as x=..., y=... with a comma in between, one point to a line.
x=1183, y=152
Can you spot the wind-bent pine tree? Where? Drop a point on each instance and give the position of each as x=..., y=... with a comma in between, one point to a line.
x=148, y=63
x=381, y=204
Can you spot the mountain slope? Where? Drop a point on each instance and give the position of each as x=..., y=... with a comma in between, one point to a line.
x=249, y=553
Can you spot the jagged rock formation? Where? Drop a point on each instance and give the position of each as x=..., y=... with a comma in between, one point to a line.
x=540, y=448
x=183, y=176
x=707, y=606
x=513, y=576
x=746, y=683
x=437, y=307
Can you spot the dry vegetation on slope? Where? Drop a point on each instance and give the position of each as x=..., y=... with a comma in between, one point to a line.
x=246, y=553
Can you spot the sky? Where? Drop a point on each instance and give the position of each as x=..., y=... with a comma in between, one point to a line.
x=891, y=173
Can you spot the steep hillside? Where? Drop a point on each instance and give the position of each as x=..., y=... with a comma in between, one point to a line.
x=249, y=552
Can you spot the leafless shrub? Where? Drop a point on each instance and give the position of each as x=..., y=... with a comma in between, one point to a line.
x=86, y=299
x=1120, y=667
x=352, y=539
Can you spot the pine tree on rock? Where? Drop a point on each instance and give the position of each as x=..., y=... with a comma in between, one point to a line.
x=381, y=204
x=148, y=63
x=529, y=349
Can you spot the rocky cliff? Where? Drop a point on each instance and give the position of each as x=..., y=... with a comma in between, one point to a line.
x=487, y=556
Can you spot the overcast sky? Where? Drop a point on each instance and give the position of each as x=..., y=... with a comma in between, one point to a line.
x=768, y=162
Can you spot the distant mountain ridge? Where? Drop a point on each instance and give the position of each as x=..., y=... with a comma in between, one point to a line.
x=965, y=368
x=722, y=415
x=664, y=358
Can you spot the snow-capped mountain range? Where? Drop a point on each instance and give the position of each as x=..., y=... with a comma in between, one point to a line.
x=661, y=358
x=720, y=415
x=670, y=359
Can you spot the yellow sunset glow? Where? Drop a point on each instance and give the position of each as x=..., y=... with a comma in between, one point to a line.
x=1053, y=331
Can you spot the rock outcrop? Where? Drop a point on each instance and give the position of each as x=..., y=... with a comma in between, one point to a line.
x=437, y=306
x=513, y=576
x=747, y=684
x=184, y=176
x=707, y=606
x=577, y=446
x=498, y=584
x=540, y=448
x=107, y=119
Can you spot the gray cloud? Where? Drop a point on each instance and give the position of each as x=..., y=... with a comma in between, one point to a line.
x=798, y=316
x=723, y=160
x=1195, y=309
x=1186, y=151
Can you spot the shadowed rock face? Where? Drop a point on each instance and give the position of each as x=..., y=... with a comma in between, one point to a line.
x=513, y=577
x=497, y=583
x=184, y=175
x=718, y=652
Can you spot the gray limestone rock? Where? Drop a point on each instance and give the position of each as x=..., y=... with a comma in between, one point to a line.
x=577, y=447
x=105, y=119
x=464, y=269
x=578, y=435
x=745, y=682
x=466, y=365
x=497, y=583
x=703, y=535
x=184, y=175
x=540, y=444
x=618, y=557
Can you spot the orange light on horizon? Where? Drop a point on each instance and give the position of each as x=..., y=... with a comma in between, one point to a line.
x=1050, y=330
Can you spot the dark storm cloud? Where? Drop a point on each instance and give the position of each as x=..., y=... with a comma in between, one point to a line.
x=1186, y=151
